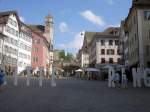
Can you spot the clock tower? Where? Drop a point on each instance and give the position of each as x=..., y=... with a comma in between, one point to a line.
x=49, y=28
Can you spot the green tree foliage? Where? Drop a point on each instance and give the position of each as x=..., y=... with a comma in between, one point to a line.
x=62, y=55
x=67, y=57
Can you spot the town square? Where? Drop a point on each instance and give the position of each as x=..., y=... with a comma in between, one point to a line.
x=74, y=56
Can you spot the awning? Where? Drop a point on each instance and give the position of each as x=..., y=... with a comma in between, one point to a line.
x=91, y=70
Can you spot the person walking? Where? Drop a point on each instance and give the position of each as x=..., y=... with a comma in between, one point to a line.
x=2, y=80
x=117, y=79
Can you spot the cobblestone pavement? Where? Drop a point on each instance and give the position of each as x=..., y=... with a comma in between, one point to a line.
x=72, y=96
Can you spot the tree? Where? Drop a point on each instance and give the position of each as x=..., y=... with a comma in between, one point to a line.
x=69, y=57
x=62, y=55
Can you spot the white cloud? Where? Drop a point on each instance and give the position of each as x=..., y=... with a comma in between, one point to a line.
x=75, y=44
x=63, y=27
x=95, y=19
x=22, y=18
x=77, y=41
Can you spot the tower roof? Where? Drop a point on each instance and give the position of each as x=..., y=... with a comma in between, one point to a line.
x=49, y=16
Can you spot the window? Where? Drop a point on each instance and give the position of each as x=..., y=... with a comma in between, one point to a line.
x=11, y=31
x=116, y=42
x=102, y=60
x=118, y=60
x=35, y=49
x=112, y=52
x=12, y=22
x=111, y=60
x=118, y=51
x=147, y=15
x=102, y=51
x=35, y=59
x=110, y=42
x=102, y=42
x=17, y=33
x=108, y=51
x=148, y=50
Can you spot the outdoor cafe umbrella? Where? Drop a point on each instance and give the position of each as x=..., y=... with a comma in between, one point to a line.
x=79, y=70
x=108, y=66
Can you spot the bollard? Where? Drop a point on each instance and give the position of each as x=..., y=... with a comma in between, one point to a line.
x=15, y=77
x=111, y=74
x=28, y=75
x=41, y=77
x=122, y=75
x=134, y=76
x=53, y=84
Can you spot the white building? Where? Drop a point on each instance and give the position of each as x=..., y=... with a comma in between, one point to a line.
x=83, y=58
x=124, y=45
x=135, y=35
x=25, y=47
x=104, y=50
x=17, y=44
x=1, y=46
x=100, y=48
x=9, y=25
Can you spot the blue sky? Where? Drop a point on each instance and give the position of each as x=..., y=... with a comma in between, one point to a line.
x=71, y=17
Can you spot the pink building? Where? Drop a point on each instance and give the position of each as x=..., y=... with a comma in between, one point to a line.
x=40, y=52
x=42, y=47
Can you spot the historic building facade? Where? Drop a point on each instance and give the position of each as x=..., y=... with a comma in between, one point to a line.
x=136, y=28
x=83, y=58
x=40, y=52
x=101, y=48
x=42, y=49
x=24, y=47
x=10, y=28
x=16, y=43
x=104, y=50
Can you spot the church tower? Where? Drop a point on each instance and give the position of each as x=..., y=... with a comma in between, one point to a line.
x=49, y=28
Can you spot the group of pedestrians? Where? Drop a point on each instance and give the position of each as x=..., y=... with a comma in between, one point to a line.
x=2, y=80
x=119, y=81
